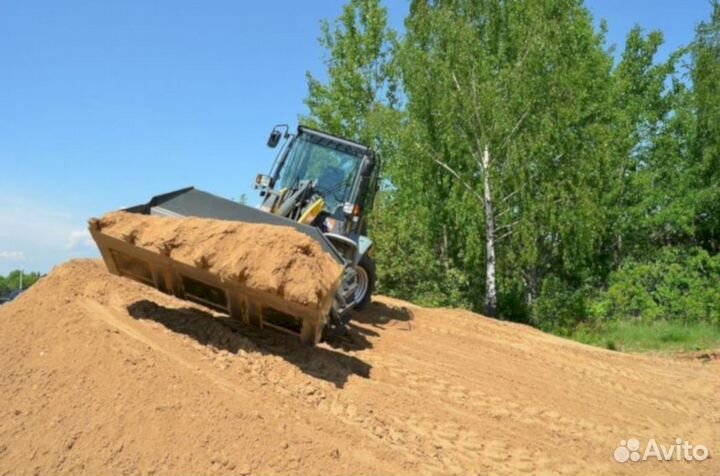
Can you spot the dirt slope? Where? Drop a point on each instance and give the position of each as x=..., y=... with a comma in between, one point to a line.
x=103, y=375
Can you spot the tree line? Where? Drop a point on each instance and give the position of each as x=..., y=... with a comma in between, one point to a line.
x=530, y=172
x=17, y=280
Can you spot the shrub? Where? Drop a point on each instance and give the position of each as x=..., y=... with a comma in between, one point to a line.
x=678, y=285
x=559, y=308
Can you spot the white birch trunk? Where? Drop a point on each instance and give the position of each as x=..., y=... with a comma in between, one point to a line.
x=490, y=282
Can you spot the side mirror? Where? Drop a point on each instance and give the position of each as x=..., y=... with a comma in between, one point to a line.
x=274, y=138
x=263, y=181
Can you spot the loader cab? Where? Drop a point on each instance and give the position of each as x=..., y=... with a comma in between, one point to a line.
x=343, y=173
x=329, y=183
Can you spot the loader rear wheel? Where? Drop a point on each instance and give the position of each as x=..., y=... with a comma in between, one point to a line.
x=366, y=282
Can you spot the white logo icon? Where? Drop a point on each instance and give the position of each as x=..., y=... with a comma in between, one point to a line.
x=629, y=450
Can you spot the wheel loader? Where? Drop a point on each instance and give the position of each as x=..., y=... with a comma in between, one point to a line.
x=320, y=185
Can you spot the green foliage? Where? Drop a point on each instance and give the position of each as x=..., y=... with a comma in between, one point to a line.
x=11, y=282
x=605, y=176
x=678, y=285
x=530, y=81
x=560, y=307
x=705, y=71
x=361, y=79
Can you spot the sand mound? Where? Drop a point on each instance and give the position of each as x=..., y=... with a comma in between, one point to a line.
x=274, y=259
x=102, y=375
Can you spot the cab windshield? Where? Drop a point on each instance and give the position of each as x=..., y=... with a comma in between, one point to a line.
x=334, y=170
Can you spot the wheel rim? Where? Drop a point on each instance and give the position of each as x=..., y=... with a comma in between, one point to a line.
x=362, y=284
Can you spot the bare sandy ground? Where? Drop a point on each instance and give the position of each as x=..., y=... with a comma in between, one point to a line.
x=100, y=375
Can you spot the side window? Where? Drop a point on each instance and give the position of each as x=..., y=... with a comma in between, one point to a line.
x=372, y=185
x=294, y=164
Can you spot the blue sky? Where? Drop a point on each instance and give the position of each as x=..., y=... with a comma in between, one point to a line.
x=104, y=104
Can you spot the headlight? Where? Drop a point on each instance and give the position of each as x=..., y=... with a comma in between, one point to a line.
x=351, y=209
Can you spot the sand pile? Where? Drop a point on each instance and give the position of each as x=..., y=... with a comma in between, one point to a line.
x=274, y=259
x=103, y=375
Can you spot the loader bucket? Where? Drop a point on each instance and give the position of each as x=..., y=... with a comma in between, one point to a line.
x=251, y=306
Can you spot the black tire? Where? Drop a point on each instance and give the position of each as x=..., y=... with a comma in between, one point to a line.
x=368, y=265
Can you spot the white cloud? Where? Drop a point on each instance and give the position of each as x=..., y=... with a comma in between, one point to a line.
x=12, y=256
x=79, y=238
x=43, y=234
x=34, y=224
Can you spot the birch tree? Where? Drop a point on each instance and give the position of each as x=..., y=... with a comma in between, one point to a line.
x=512, y=104
x=361, y=81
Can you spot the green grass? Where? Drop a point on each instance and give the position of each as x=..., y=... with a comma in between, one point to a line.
x=662, y=336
